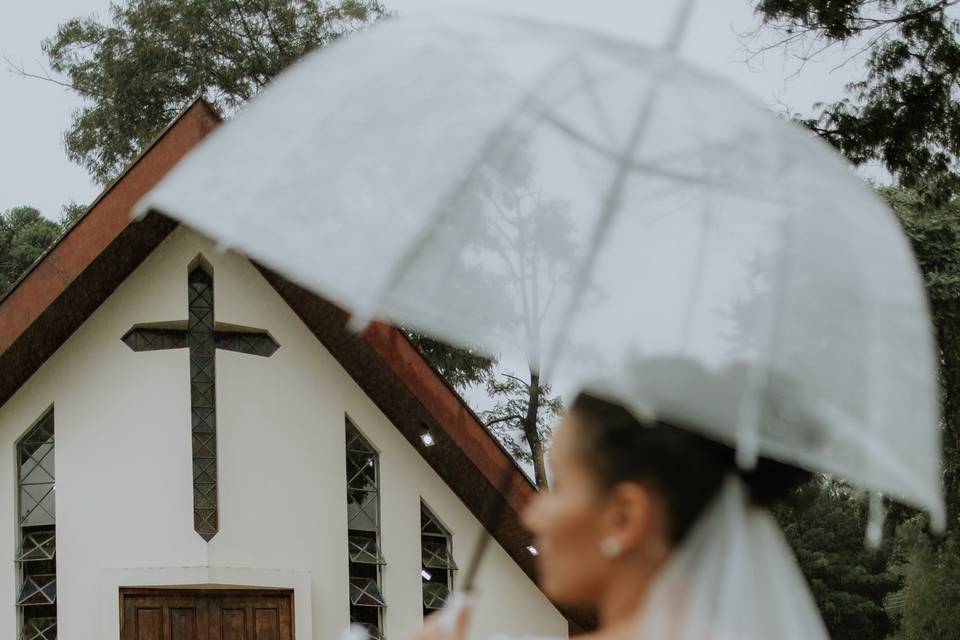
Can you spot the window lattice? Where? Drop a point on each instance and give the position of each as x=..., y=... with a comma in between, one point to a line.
x=36, y=556
x=437, y=565
x=364, y=548
x=39, y=629
x=367, y=603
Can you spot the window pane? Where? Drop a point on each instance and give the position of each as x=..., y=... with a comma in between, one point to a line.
x=39, y=629
x=39, y=589
x=356, y=441
x=37, y=545
x=361, y=471
x=364, y=592
x=364, y=548
x=429, y=525
x=434, y=595
x=436, y=554
x=363, y=510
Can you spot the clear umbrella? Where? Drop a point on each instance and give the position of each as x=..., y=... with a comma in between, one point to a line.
x=597, y=209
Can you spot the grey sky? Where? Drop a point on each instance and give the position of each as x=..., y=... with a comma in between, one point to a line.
x=34, y=169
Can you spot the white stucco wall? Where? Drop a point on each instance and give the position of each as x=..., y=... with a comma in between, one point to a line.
x=124, y=494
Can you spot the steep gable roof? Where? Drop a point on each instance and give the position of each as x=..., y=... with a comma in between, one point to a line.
x=105, y=245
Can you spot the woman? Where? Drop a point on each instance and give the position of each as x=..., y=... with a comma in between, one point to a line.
x=655, y=527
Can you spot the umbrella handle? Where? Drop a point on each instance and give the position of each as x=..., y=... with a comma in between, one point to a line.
x=452, y=608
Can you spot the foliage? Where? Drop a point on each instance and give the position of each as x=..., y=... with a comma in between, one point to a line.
x=155, y=56
x=527, y=408
x=930, y=596
x=904, y=113
x=70, y=213
x=462, y=368
x=826, y=528
x=24, y=236
x=934, y=233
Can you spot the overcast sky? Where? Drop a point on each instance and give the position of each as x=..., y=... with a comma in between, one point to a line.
x=34, y=169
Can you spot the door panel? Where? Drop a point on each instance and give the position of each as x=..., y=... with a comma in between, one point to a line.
x=149, y=623
x=217, y=614
x=183, y=624
x=233, y=624
x=266, y=624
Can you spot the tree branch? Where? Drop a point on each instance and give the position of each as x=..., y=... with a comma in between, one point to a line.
x=254, y=42
x=513, y=377
x=939, y=7
x=265, y=12
x=505, y=419
x=46, y=77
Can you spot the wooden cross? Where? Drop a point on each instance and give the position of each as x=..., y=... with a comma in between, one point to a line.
x=202, y=339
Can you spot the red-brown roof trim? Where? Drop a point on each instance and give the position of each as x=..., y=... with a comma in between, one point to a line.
x=101, y=224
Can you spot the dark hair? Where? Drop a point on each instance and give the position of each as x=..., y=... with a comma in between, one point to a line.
x=684, y=468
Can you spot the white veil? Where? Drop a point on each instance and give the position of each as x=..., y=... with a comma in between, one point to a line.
x=733, y=578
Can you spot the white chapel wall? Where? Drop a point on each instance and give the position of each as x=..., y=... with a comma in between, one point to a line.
x=123, y=466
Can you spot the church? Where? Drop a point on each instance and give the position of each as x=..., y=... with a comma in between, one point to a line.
x=195, y=448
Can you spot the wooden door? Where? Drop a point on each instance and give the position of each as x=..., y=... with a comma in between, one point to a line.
x=214, y=614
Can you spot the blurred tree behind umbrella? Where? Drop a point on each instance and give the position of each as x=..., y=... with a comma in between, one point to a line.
x=930, y=564
x=850, y=582
x=905, y=114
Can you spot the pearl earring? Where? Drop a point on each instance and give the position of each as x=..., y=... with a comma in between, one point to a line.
x=610, y=547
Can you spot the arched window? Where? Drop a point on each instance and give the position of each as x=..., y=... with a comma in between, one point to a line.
x=437, y=565
x=363, y=533
x=36, y=557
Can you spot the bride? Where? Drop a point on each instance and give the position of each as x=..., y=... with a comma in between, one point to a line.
x=656, y=528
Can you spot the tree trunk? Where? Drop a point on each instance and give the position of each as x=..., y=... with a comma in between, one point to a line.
x=951, y=418
x=532, y=433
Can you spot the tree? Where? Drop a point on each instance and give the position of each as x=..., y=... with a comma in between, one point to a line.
x=827, y=530
x=155, y=56
x=524, y=408
x=24, y=236
x=934, y=233
x=932, y=571
x=905, y=112
x=932, y=565
x=825, y=526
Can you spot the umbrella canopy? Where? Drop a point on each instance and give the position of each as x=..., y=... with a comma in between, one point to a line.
x=615, y=217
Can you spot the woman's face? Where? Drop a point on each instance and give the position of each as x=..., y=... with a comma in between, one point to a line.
x=569, y=523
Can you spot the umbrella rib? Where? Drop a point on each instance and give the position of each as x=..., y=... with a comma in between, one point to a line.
x=517, y=277
x=362, y=316
x=611, y=200
x=700, y=262
x=652, y=169
x=610, y=204
x=589, y=83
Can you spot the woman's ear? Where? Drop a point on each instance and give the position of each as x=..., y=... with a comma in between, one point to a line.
x=631, y=515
